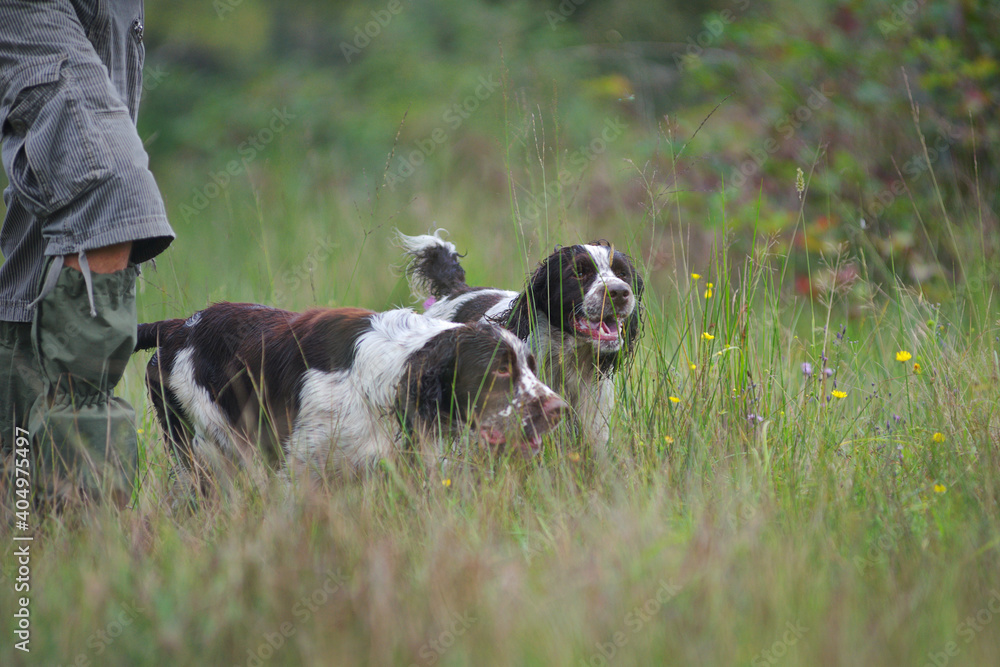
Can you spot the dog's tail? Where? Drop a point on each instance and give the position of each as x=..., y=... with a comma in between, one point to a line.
x=433, y=267
x=149, y=335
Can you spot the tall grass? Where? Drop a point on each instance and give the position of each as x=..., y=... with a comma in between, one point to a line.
x=758, y=508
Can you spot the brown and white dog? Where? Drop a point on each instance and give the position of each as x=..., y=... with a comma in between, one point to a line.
x=336, y=388
x=579, y=312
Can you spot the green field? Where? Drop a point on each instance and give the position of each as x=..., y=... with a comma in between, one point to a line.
x=805, y=460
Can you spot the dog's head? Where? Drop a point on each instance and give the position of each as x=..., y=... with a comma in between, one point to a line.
x=591, y=293
x=480, y=377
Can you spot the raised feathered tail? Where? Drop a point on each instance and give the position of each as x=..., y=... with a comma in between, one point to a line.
x=433, y=267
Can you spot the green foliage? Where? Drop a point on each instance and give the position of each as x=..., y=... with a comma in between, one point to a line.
x=750, y=511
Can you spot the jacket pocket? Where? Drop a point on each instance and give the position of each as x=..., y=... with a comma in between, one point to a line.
x=47, y=137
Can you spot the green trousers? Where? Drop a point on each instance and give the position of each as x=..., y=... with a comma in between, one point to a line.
x=59, y=373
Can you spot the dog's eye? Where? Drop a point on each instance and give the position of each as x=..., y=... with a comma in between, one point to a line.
x=621, y=271
x=584, y=267
x=504, y=369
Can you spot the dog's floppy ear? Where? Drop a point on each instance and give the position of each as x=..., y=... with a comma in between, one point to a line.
x=632, y=327
x=520, y=318
x=428, y=394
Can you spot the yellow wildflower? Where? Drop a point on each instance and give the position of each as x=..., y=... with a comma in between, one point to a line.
x=674, y=399
x=446, y=483
x=938, y=437
x=668, y=440
x=839, y=394
x=940, y=488
x=916, y=369
x=707, y=336
x=696, y=276
x=693, y=367
x=903, y=355
x=708, y=292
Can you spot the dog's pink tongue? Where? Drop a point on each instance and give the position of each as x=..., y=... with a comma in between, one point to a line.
x=493, y=436
x=598, y=330
x=603, y=331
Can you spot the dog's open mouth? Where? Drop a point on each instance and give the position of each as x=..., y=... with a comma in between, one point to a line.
x=497, y=439
x=600, y=330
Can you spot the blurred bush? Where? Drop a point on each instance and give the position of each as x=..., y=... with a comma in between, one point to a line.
x=644, y=121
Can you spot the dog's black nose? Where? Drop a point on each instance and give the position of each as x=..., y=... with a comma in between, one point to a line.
x=619, y=296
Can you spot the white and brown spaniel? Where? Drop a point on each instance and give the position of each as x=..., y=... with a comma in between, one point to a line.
x=330, y=389
x=579, y=312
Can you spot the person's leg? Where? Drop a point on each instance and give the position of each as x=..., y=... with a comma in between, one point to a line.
x=81, y=205
x=103, y=260
x=85, y=437
x=20, y=380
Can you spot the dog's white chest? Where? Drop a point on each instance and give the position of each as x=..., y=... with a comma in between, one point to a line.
x=339, y=423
